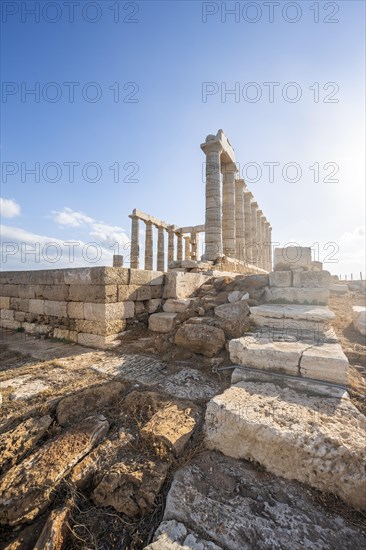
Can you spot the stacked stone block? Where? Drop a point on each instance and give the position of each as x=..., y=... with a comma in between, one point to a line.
x=90, y=306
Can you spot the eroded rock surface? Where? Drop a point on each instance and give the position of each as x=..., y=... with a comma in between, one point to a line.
x=172, y=535
x=203, y=339
x=27, y=489
x=319, y=441
x=237, y=506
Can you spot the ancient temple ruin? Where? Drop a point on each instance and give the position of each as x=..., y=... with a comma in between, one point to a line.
x=235, y=227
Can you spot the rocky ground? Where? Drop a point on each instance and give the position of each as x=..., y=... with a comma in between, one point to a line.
x=100, y=448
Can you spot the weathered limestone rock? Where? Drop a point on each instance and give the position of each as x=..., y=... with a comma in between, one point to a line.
x=292, y=256
x=339, y=288
x=93, y=293
x=131, y=486
x=73, y=408
x=316, y=296
x=153, y=305
x=172, y=535
x=325, y=362
x=97, y=341
x=176, y=306
x=100, y=458
x=316, y=440
x=262, y=353
x=203, y=339
x=183, y=285
x=54, y=308
x=56, y=530
x=75, y=310
x=233, y=318
x=240, y=507
x=282, y=279
x=312, y=279
x=36, y=306
x=27, y=489
x=235, y=296
x=108, y=312
x=305, y=316
x=359, y=319
x=16, y=443
x=171, y=426
x=162, y=322
x=321, y=361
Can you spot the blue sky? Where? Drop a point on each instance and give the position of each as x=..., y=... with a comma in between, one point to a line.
x=164, y=60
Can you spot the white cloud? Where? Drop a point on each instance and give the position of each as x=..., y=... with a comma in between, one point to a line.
x=22, y=250
x=9, y=208
x=71, y=218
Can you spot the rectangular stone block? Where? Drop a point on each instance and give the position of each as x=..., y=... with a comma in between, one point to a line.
x=96, y=341
x=182, y=285
x=311, y=279
x=64, y=334
x=44, y=276
x=20, y=316
x=143, y=293
x=109, y=312
x=140, y=277
x=10, y=324
x=75, y=310
x=157, y=278
x=57, y=293
x=280, y=279
x=36, y=306
x=326, y=362
x=292, y=257
x=102, y=328
x=77, y=276
x=7, y=314
x=162, y=322
x=19, y=304
x=292, y=295
x=93, y=293
x=4, y=302
x=110, y=275
x=127, y=292
x=57, y=309
x=156, y=291
x=17, y=291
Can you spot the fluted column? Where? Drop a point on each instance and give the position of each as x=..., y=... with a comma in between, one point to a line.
x=213, y=221
x=135, y=246
x=248, y=257
x=149, y=246
x=187, y=248
x=228, y=209
x=179, y=246
x=239, y=219
x=270, y=247
x=161, y=250
x=259, y=238
x=194, y=246
x=267, y=246
x=263, y=243
x=170, y=246
x=254, y=234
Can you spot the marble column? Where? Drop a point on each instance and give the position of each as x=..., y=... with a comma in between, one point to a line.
x=228, y=209
x=264, y=245
x=117, y=260
x=161, y=249
x=170, y=246
x=187, y=248
x=149, y=246
x=254, y=234
x=248, y=226
x=270, y=247
x=259, y=238
x=267, y=245
x=135, y=246
x=179, y=246
x=213, y=221
x=194, y=246
x=239, y=220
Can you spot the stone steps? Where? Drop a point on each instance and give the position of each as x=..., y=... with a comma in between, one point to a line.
x=318, y=361
x=292, y=316
x=297, y=295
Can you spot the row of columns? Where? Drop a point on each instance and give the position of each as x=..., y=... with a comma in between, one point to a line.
x=184, y=247
x=235, y=226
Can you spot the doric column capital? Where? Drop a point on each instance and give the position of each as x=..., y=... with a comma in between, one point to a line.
x=213, y=146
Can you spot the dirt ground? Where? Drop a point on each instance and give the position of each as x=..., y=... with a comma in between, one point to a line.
x=45, y=371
